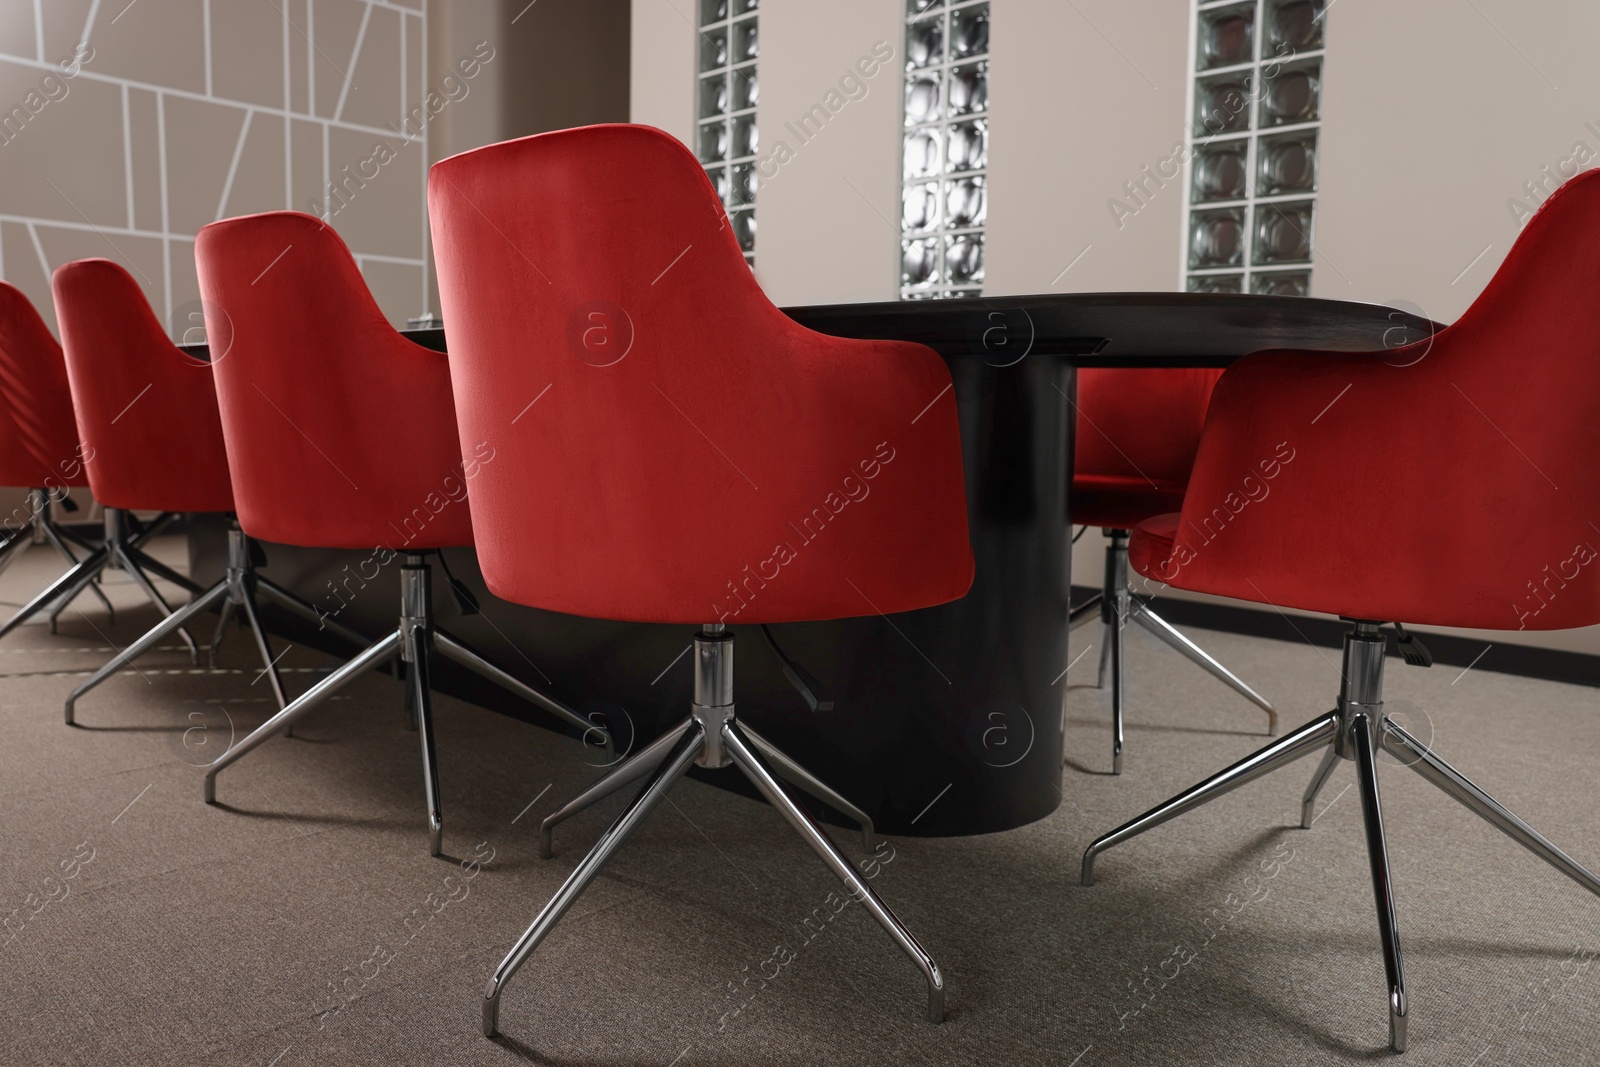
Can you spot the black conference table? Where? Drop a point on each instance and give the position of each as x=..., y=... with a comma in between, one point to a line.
x=947, y=720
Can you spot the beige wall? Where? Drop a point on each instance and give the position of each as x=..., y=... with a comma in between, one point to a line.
x=1081, y=96
x=827, y=222
x=559, y=63
x=1072, y=118
x=1435, y=114
x=661, y=65
x=193, y=110
x=564, y=64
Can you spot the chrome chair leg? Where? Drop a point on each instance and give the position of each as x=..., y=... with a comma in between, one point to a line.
x=15, y=544
x=1408, y=749
x=685, y=750
x=1119, y=679
x=1355, y=731
x=270, y=590
x=802, y=779
x=619, y=777
x=1082, y=613
x=1119, y=607
x=418, y=680
x=147, y=562
x=64, y=589
x=1302, y=742
x=1308, y=804
x=1105, y=654
x=375, y=655
x=456, y=650
x=145, y=644
x=40, y=525
x=137, y=533
x=734, y=740
x=131, y=566
x=269, y=665
x=713, y=739
x=409, y=708
x=46, y=525
x=123, y=535
x=1361, y=731
x=1163, y=629
x=237, y=588
x=412, y=643
x=48, y=530
x=225, y=618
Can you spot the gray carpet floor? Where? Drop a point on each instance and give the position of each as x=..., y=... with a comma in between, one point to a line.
x=303, y=922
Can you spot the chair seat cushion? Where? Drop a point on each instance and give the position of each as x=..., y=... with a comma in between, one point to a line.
x=1117, y=502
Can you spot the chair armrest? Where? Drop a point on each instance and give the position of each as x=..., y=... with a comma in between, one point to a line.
x=1292, y=498
x=1375, y=487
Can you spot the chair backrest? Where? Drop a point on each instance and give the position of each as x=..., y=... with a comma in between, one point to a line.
x=1141, y=423
x=38, y=439
x=340, y=432
x=669, y=446
x=146, y=411
x=1451, y=482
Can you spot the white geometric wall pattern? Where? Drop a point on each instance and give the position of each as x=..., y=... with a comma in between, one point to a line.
x=171, y=114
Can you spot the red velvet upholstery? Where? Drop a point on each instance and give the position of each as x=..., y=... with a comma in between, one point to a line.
x=727, y=464
x=340, y=432
x=1453, y=482
x=147, y=412
x=1136, y=438
x=38, y=440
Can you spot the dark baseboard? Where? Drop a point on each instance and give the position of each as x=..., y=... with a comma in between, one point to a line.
x=1552, y=664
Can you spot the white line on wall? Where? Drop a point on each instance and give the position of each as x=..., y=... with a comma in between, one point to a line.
x=88, y=23
x=311, y=61
x=166, y=221
x=38, y=248
x=86, y=74
x=233, y=167
x=288, y=107
x=205, y=29
x=127, y=154
x=355, y=54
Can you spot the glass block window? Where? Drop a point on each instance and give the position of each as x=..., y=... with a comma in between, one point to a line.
x=1257, y=75
x=944, y=174
x=725, y=109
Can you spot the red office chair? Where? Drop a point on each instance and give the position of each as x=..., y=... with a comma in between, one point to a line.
x=147, y=414
x=340, y=434
x=39, y=451
x=684, y=424
x=1134, y=447
x=1444, y=483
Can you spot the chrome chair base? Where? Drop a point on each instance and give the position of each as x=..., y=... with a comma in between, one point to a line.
x=1355, y=730
x=414, y=641
x=1119, y=605
x=653, y=755
x=710, y=737
x=42, y=528
x=120, y=550
x=237, y=591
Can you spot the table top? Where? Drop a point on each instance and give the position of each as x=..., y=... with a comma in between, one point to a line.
x=1102, y=329
x=1124, y=329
